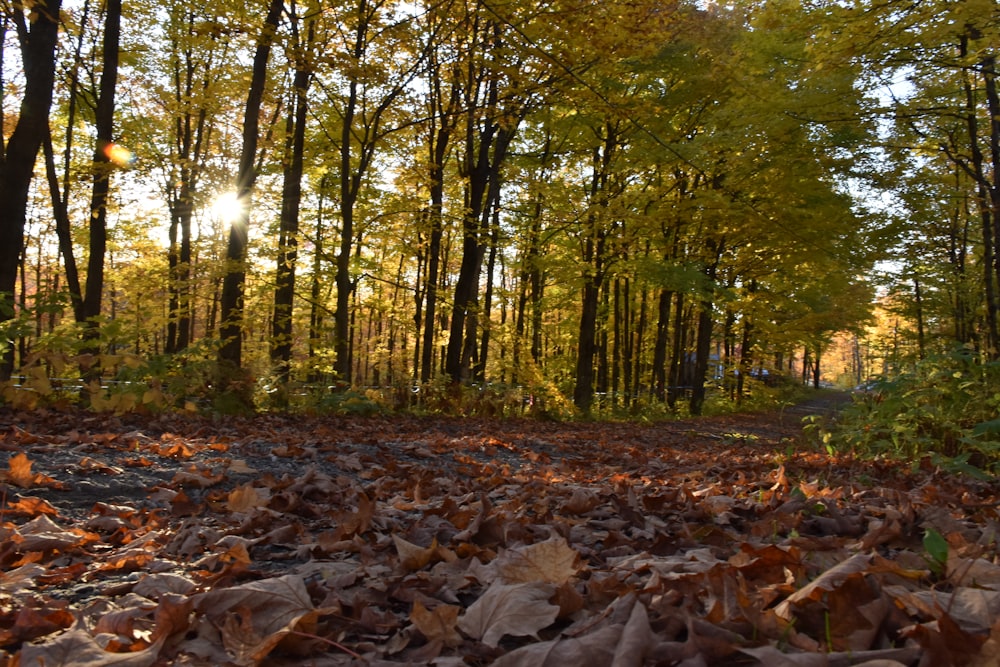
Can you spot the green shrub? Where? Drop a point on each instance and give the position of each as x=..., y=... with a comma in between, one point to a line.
x=945, y=408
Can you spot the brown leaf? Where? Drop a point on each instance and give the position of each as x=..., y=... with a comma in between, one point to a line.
x=439, y=624
x=77, y=648
x=20, y=471
x=509, y=609
x=413, y=557
x=43, y=534
x=245, y=498
x=256, y=616
x=611, y=643
x=552, y=561
x=32, y=506
x=828, y=581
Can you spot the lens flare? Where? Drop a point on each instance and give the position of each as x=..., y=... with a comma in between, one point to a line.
x=119, y=155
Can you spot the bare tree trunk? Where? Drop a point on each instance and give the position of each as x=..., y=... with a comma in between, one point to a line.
x=17, y=166
x=291, y=198
x=234, y=281
x=104, y=119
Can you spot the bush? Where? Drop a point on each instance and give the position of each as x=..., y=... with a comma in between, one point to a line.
x=945, y=408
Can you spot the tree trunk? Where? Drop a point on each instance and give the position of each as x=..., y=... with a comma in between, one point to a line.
x=703, y=344
x=659, y=379
x=104, y=118
x=234, y=281
x=17, y=166
x=291, y=198
x=993, y=104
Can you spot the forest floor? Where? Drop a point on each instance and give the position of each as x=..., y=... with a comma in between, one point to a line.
x=278, y=540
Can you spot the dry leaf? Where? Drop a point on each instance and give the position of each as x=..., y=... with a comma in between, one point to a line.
x=256, y=616
x=552, y=561
x=413, y=557
x=509, y=609
x=439, y=624
x=77, y=648
x=20, y=471
x=245, y=498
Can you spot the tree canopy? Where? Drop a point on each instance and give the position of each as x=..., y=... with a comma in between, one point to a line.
x=563, y=205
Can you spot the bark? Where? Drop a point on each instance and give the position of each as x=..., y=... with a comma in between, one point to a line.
x=234, y=281
x=993, y=104
x=291, y=198
x=443, y=118
x=659, y=379
x=191, y=133
x=703, y=343
x=103, y=167
x=38, y=43
x=987, y=211
x=676, y=377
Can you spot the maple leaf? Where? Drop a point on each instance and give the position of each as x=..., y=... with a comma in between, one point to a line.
x=44, y=534
x=413, y=557
x=439, y=624
x=31, y=506
x=20, y=471
x=622, y=636
x=79, y=649
x=552, y=561
x=245, y=498
x=258, y=615
x=509, y=609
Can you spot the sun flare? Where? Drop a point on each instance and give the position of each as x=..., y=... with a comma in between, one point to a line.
x=228, y=207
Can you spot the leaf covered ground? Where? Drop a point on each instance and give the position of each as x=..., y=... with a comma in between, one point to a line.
x=386, y=541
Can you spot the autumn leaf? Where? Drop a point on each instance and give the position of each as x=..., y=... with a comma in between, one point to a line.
x=828, y=581
x=509, y=609
x=624, y=637
x=77, y=648
x=19, y=472
x=256, y=616
x=245, y=498
x=413, y=557
x=439, y=624
x=552, y=561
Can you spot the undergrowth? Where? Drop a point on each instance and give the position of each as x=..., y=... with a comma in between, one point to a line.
x=946, y=408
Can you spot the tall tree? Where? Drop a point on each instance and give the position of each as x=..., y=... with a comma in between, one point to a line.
x=291, y=196
x=234, y=282
x=106, y=157
x=37, y=32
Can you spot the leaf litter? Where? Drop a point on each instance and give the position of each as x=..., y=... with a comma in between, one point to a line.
x=163, y=540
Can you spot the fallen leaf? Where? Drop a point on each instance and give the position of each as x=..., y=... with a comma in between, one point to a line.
x=256, y=616
x=19, y=472
x=552, y=561
x=439, y=624
x=77, y=648
x=245, y=498
x=509, y=609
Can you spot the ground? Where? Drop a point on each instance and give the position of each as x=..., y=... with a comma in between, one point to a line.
x=280, y=540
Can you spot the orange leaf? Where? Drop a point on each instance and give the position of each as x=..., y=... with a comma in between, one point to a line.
x=245, y=498
x=439, y=624
x=413, y=557
x=20, y=471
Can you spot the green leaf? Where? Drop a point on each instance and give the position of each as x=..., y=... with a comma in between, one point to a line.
x=937, y=549
x=991, y=427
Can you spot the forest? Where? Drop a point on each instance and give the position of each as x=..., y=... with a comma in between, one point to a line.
x=482, y=332
x=557, y=207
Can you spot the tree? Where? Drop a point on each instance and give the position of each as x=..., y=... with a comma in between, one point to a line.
x=295, y=131
x=231, y=329
x=37, y=29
